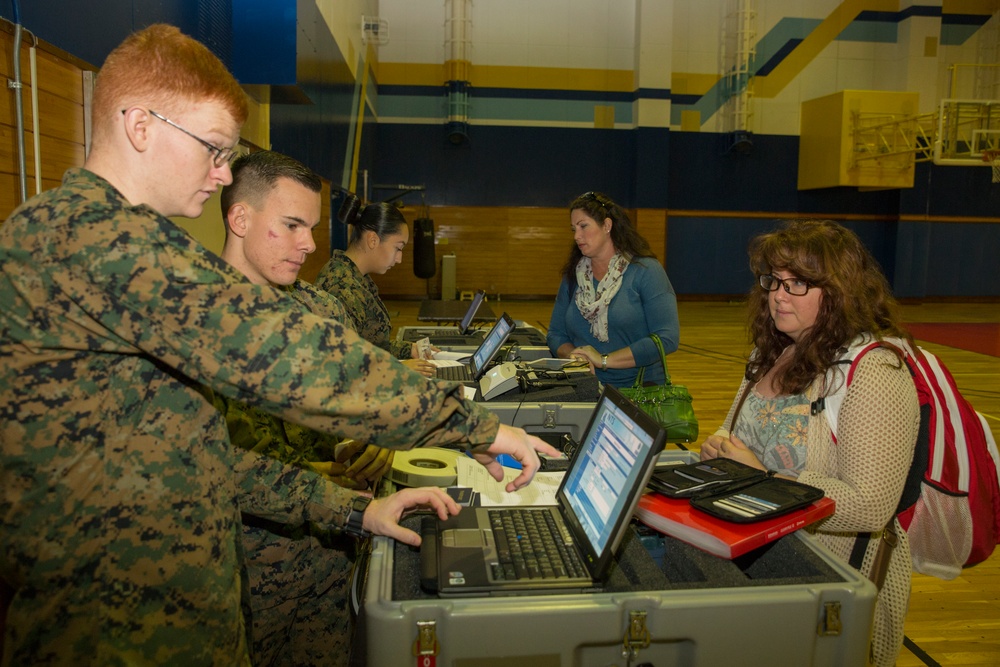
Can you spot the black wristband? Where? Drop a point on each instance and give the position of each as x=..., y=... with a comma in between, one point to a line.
x=356, y=519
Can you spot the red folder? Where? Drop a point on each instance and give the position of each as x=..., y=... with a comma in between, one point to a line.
x=676, y=517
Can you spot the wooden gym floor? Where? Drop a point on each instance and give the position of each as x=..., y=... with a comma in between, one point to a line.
x=949, y=622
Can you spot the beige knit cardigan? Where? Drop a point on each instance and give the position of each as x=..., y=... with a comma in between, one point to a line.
x=864, y=472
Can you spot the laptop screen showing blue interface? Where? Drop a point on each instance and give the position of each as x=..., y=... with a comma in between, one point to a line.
x=493, y=341
x=606, y=465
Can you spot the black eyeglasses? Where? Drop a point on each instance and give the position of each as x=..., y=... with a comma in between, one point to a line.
x=220, y=156
x=794, y=286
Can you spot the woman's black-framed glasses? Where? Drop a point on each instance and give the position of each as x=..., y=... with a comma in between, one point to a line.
x=794, y=286
x=220, y=156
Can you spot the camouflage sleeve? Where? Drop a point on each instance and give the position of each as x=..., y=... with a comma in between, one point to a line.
x=342, y=280
x=272, y=480
x=401, y=349
x=289, y=494
x=319, y=302
x=257, y=345
x=360, y=298
x=313, y=445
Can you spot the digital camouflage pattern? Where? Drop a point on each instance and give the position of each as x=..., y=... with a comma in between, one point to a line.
x=119, y=490
x=298, y=576
x=299, y=580
x=359, y=295
x=259, y=431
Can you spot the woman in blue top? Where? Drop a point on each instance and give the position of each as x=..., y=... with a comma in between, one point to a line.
x=614, y=293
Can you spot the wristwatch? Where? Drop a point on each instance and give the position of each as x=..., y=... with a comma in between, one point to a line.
x=604, y=362
x=356, y=519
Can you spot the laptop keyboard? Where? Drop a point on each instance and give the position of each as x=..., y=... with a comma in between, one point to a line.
x=456, y=373
x=531, y=545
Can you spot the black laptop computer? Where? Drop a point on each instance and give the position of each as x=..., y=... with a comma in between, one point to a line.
x=468, y=554
x=479, y=362
x=465, y=326
x=465, y=334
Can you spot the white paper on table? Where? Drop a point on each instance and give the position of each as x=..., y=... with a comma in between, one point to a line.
x=541, y=491
x=447, y=358
x=469, y=393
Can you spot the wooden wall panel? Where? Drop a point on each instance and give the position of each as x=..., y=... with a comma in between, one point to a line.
x=60, y=104
x=652, y=224
x=59, y=77
x=540, y=241
x=57, y=155
x=55, y=74
x=477, y=236
x=60, y=117
x=10, y=192
x=507, y=251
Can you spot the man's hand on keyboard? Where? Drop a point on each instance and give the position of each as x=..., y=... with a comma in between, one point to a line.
x=383, y=514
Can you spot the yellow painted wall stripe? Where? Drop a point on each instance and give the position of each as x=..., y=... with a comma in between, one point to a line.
x=360, y=122
x=692, y=83
x=411, y=74
x=972, y=7
x=796, y=61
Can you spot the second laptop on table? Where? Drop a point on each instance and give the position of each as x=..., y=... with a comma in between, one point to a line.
x=484, y=354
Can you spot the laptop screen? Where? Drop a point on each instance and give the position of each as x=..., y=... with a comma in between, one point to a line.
x=613, y=453
x=466, y=323
x=491, y=344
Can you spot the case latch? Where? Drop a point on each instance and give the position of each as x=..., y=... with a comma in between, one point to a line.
x=426, y=647
x=636, y=635
x=549, y=417
x=829, y=624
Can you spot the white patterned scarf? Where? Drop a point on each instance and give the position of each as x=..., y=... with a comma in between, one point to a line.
x=593, y=304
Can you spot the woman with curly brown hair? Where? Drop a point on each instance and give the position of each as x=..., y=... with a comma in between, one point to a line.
x=819, y=293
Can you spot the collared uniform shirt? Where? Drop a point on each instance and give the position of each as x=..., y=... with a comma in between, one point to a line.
x=119, y=490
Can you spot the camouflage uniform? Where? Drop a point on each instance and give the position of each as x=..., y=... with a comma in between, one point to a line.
x=359, y=295
x=120, y=494
x=298, y=576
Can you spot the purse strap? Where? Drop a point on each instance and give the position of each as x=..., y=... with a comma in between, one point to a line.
x=739, y=406
x=663, y=360
x=887, y=541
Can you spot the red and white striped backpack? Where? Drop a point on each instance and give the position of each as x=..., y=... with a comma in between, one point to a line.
x=950, y=506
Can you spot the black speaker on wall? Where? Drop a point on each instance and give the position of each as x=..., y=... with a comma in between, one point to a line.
x=424, y=262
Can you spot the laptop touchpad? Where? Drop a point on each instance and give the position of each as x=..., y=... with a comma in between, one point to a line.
x=464, y=537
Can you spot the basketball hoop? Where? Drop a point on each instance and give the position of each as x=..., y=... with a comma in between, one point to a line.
x=992, y=158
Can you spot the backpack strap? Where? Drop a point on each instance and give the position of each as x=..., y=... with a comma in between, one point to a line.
x=830, y=405
x=837, y=380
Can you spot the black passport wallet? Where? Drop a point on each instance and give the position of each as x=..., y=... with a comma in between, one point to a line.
x=733, y=491
x=684, y=481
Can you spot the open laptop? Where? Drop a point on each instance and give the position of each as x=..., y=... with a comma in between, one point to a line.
x=464, y=334
x=478, y=363
x=465, y=326
x=463, y=556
